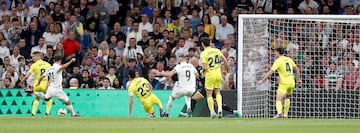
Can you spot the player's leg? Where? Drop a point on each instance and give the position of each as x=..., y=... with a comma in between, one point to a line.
x=65, y=99
x=279, y=97
x=148, y=108
x=36, y=103
x=199, y=94
x=287, y=100
x=210, y=102
x=218, y=96
x=169, y=104
x=155, y=100
x=49, y=102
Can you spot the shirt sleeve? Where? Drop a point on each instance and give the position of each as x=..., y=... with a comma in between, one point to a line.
x=275, y=66
x=175, y=70
x=203, y=58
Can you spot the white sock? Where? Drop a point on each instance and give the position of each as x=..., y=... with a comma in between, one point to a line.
x=169, y=104
x=70, y=109
x=188, y=102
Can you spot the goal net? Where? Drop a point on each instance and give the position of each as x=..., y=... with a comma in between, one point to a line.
x=326, y=49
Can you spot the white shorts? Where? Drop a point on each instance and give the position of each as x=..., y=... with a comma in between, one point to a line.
x=56, y=93
x=182, y=91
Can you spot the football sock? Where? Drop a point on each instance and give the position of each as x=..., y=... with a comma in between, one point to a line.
x=286, y=107
x=188, y=103
x=227, y=108
x=219, y=102
x=169, y=104
x=48, y=106
x=193, y=103
x=70, y=109
x=210, y=102
x=278, y=107
x=35, y=107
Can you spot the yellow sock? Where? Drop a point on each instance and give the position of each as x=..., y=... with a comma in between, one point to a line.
x=278, y=107
x=219, y=100
x=286, y=107
x=35, y=107
x=210, y=102
x=48, y=106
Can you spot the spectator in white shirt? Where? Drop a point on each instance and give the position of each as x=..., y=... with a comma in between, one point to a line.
x=214, y=18
x=34, y=9
x=106, y=85
x=130, y=52
x=145, y=25
x=15, y=56
x=223, y=29
x=40, y=47
x=228, y=49
x=309, y=4
x=52, y=36
x=4, y=50
x=180, y=49
x=136, y=34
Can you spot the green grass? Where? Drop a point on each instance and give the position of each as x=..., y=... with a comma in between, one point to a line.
x=174, y=125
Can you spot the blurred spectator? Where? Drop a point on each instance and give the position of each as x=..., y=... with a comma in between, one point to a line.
x=309, y=4
x=74, y=83
x=131, y=51
x=40, y=47
x=145, y=24
x=351, y=78
x=188, y=26
x=71, y=46
x=223, y=29
x=4, y=50
x=117, y=32
x=151, y=50
x=7, y=83
x=111, y=76
x=35, y=7
x=106, y=85
x=117, y=84
x=333, y=78
x=49, y=55
x=104, y=19
x=52, y=36
x=195, y=18
x=154, y=82
x=22, y=67
x=31, y=35
x=131, y=65
x=136, y=34
x=228, y=49
x=14, y=32
x=15, y=56
x=120, y=48
x=175, y=27
x=156, y=34
x=92, y=25
x=128, y=26
x=229, y=83
x=200, y=33
x=112, y=7
x=58, y=16
x=86, y=82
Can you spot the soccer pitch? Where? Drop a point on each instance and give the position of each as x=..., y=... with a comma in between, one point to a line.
x=174, y=125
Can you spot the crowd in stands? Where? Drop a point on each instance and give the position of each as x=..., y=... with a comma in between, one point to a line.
x=110, y=37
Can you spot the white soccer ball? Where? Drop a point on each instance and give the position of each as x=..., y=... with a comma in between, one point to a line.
x=61, y=112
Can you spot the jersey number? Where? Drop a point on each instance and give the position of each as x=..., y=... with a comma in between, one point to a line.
x=42, y=71
x=288, y=69
x=51, y=76
x=214, y=61
x=187, y=74
x=142, y=91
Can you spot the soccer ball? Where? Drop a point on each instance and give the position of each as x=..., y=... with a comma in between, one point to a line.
x=61, y=112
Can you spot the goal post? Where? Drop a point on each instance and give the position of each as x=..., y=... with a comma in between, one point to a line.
x=326, y=48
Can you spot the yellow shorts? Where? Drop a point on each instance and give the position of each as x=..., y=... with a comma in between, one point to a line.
x=213, y=82
x=286, y=89
x=40, y=88
x=149, y=102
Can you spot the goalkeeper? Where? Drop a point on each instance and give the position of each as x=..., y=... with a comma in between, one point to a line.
x=284, y=66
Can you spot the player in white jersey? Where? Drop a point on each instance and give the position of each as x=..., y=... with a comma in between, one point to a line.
x=186, y=84
x=55, y=83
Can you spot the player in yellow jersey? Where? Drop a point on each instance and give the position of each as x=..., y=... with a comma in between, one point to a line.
x=210, y=59
x=284, y=66
x=143, y=91
x=38, y=68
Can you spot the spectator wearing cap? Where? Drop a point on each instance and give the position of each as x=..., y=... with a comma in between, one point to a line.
x=131, y=66
x=131, y=51
x=104, y=19
x=223, y=29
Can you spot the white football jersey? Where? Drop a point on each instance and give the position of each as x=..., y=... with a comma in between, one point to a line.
x=186, y=74
x=55, y=76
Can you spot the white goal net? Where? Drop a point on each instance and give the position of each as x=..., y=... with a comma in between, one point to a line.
x=325, y=48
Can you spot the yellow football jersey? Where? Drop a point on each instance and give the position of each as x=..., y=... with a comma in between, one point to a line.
x=39, y=68
x=284, y=66
x=139, y=87
x=211, y=57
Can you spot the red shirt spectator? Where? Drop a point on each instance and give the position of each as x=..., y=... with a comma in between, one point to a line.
x=71, y=46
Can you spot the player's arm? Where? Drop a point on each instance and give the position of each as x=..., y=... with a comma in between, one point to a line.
x=270, y=72
x=298, y=74
x=150, y=86
x=27, y=75
x=131, y=101
x=225, y=63
x=166, y=74
x=67, y=64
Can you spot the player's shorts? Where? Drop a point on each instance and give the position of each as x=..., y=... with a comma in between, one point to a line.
x=202, y=92
x=178, y=91
x=212, y=82
x=56, y=93
x=286, y=89
x=149, y=102
x=40, y=88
